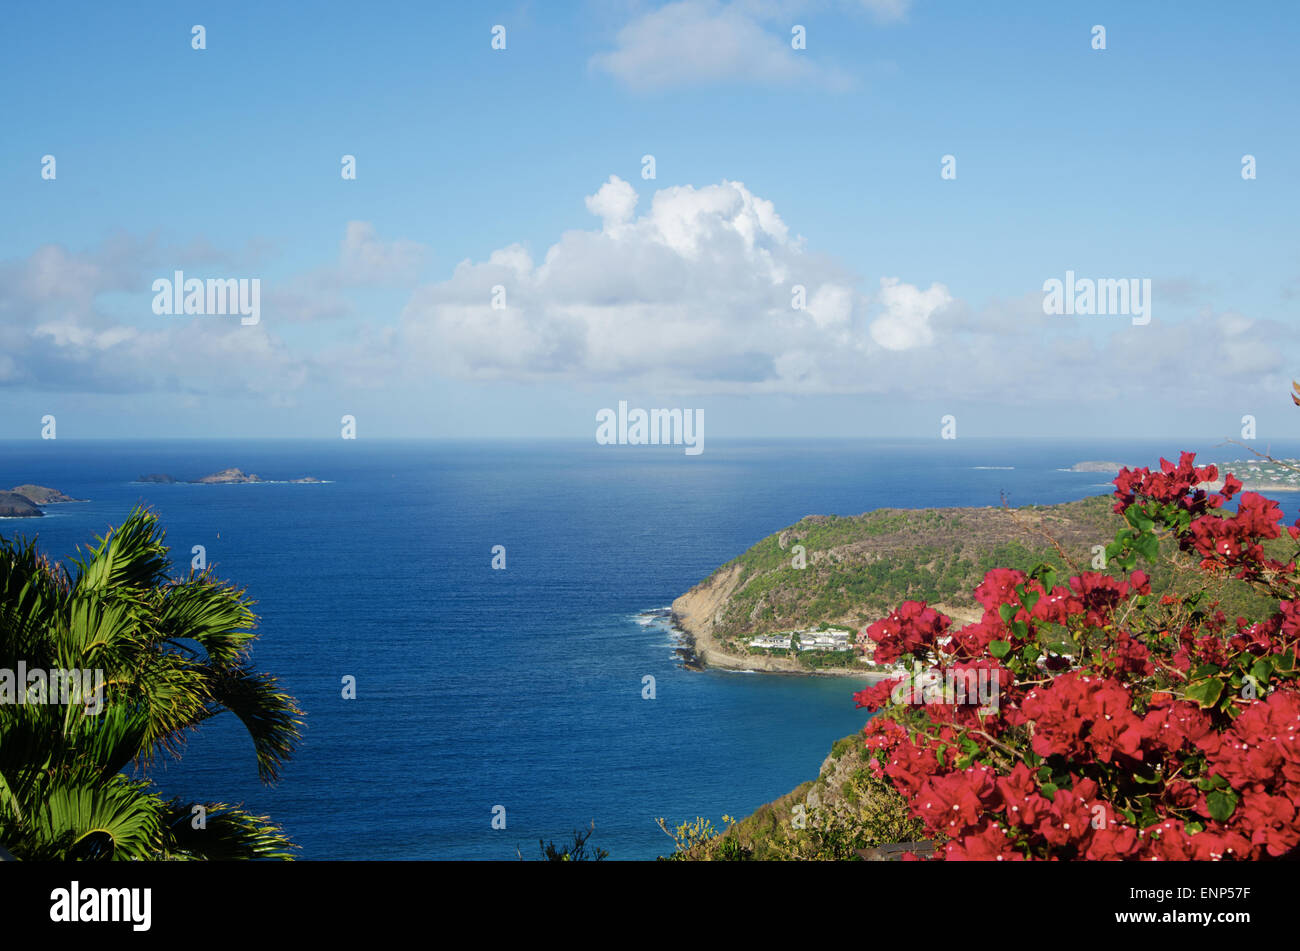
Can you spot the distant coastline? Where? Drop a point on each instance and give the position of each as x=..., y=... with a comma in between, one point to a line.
x=27, y=501
x=1260, y=475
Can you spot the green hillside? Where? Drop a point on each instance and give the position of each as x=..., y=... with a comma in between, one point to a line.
x=860, y=567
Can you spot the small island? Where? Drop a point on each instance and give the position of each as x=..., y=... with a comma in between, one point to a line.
x=230, y=476
x=25, y=501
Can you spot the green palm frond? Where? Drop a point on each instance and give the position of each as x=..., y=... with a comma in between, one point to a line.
x=11, y=809
x=116, y=820
x=271, y=716
x=172, y=654
x=219, y=618
x=223, y=833
x=131, y=557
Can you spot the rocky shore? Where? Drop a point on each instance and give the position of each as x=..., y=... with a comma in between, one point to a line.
x=694, y=616
x=25, y=501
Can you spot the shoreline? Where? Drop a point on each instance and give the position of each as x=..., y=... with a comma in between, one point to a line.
x=704, y=651
x=1217, y=486
x=693, y=615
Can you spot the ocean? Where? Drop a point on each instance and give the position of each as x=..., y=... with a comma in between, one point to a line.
x=522, y=687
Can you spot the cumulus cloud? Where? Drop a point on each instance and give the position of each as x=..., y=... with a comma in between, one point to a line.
x=698, y=292
x=614, y=203
x=695, y=294
x=905, y=323
x=684, y=290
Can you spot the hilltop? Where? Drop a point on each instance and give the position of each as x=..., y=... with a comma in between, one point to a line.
x=858, y=568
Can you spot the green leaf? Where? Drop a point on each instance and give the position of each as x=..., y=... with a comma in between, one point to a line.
x=1044, y=574
x=1205, y=693
x=1222, y=805
x=999, y=649
x=1139, y=519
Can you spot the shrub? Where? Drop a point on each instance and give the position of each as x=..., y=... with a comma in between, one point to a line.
x=1126, y=725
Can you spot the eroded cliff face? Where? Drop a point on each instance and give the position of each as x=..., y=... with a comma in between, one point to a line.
x=698, y=613
x=13, y=505
x=24, y=501
x=698, y=610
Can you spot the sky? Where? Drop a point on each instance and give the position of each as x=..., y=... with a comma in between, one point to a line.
x=623, y=203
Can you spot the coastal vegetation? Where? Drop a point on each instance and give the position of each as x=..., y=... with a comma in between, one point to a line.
x=580, y=849
x=845, y=809
x=1130, y=719
x=167, y=654
x=859, y=567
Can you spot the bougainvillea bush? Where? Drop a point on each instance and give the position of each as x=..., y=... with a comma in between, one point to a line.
x=1127, y=725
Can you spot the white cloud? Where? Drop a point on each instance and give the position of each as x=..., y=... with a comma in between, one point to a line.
x=905, y=324
x=614, y=203
x=688, y=42
x=694, y=41
x=696, y=293
x=57, y=335
x=692, y=295
x=366, y=260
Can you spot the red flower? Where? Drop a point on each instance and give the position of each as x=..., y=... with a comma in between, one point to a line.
x=913, y=629
x=877, y=695
x=989, y=845
x=1111, y=718
x=999, y=587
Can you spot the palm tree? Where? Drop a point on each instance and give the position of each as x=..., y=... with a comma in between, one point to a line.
x=173, y=654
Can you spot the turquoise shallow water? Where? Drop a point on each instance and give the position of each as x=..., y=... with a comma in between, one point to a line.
x=521, y=687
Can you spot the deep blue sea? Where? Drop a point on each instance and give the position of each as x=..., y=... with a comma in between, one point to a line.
x=522, y=687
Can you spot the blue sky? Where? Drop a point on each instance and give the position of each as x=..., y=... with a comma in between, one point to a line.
x=479, y=167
